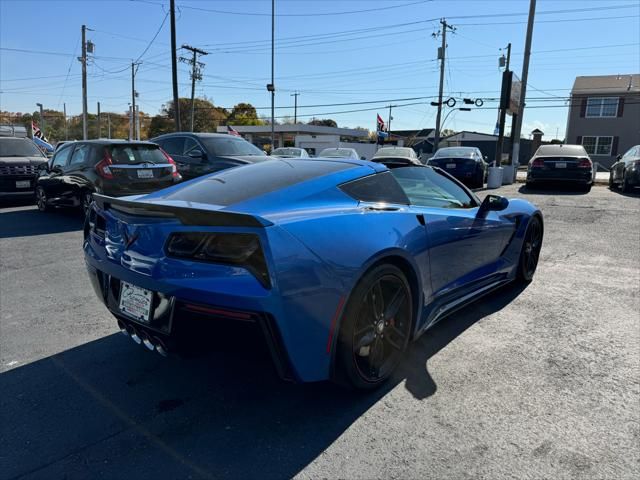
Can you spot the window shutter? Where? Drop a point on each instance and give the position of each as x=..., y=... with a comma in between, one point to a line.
x=614, y=147
x=620, y=106
x=583, y=107
x=579, y=140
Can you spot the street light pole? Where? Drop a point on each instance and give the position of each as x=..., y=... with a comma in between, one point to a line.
x=462, y=109
x=83, y=60
x=295, y=107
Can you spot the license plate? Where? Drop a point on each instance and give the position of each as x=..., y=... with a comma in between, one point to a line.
x=145, y=173
x=561, y=165
x=450, y=165
x=135, y=301
x=23, y=183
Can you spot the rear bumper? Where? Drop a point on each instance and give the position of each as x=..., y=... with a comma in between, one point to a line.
x=569, y=176
x=172, y=318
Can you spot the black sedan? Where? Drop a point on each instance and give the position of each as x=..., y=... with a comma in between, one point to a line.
x=198, y=154
x=464, y=163
x=625, y=173
x=561, y=164
x=111, y=167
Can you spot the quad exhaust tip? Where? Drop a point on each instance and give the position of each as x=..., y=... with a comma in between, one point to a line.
x=143, y=338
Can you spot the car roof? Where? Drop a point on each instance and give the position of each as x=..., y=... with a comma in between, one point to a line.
x=112, y=141
x=196, y=134
x=572, y=150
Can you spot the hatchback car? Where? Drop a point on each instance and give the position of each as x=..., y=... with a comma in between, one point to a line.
x=464, y=163
x=111, y=167
x=625, y=173
x=198, y=154
x=340, y=153
x=19, y=163
x=290, y=152
x=561, y=164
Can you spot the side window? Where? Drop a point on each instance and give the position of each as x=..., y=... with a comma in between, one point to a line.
x=61, y=157
x=80, y=155
x=379, y=188
x=427, y=188
x=190, y=144
x=174, y=145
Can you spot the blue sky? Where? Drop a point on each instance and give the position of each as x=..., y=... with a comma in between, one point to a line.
x=332, y=52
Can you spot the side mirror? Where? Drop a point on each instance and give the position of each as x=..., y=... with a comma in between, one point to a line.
x=619, y=157
x=363, y=158
x=55, y=168
x=196, y=153
x=494, y=203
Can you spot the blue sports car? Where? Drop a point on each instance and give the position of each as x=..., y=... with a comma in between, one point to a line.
x=338, y=263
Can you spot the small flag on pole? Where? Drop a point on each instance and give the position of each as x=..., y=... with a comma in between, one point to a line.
x=380, y=124
x=232, y=131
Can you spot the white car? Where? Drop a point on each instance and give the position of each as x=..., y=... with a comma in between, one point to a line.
x=396, y=156
x=338, y=152
x=290, y=152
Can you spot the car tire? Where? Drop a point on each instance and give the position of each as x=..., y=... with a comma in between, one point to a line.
x=624, y=185
x=587, y=188
x=611, y=184
x=380, y=305
x=86, y=199
x=530, y=252
x=41, y=200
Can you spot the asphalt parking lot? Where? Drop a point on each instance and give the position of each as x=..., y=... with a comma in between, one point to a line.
x=535, y=382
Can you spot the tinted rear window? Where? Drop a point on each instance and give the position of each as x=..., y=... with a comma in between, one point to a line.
x=454, y=152
x=18, y=147
x=243, y=183
x=133, y=154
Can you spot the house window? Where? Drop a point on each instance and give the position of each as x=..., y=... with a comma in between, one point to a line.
x=602, y=107
x=598, y=145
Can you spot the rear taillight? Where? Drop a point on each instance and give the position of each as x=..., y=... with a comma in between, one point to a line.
x=103, y=166
x=240, y=249
x=174, y=168
x=584, y=163
x=537, y=163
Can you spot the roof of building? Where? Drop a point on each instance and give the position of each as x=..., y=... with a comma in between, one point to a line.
x=297, y=129
x=607, y=84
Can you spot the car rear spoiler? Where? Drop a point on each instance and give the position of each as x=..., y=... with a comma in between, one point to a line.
x=186, y=215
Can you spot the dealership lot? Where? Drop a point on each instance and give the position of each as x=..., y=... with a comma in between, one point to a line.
x=542, y=381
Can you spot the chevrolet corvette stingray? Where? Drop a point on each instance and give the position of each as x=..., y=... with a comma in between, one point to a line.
x=338, y=263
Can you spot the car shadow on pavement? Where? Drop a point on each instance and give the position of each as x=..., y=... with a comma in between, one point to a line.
x=26, y=222
x=110, y=408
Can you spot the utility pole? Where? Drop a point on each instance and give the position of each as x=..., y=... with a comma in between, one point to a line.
x=389, y=121
x=108, y=125
x=83, y=60
x=504, y=106
x=174, y=66
x=295, y=107
x=271, y=87
x=43, y=124
x=137, y=124
x=441, y=56
x=130, y=123
x=99, y=129
x=523, y=88
x=134, y=94
x=66, y=131
x=196, y=74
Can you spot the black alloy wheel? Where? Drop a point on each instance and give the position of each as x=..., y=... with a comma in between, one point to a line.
x=530, y=253
x=41, y=200
x=376, y=327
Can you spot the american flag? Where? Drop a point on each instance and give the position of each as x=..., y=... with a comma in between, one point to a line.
x=232, y=131
x=36, y=132
x=381, y=125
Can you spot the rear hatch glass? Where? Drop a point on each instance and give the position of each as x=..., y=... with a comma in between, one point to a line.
x=139, y=163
